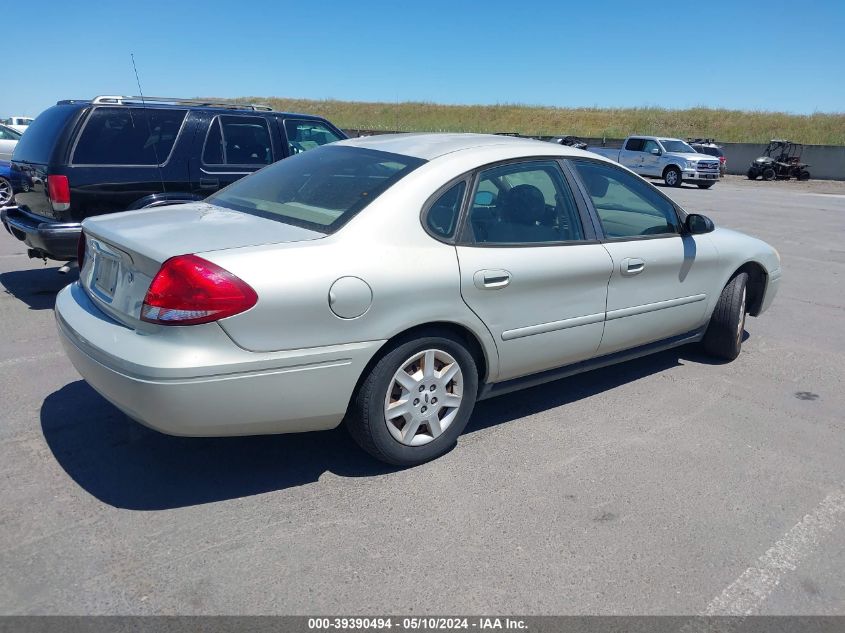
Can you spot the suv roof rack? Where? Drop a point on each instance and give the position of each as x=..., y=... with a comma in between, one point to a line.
x=118, y=99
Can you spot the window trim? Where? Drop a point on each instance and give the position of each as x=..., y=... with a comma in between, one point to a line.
x=81, y=131
x=463, y=233
x=680, y=214
x=224, y=164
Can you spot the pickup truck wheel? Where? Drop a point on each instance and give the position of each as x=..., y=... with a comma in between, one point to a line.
x=415, y=401
x=723, y=337
x=706, y=185
x=769, y=174
x=672, y=177
x=5, y=192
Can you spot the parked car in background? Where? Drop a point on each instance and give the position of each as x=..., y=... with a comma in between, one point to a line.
x=86, y=158
x=17, y=123
x=10, y=183
x=668, y=158
x=708, y=146
x=8, y=139
x=391, y=282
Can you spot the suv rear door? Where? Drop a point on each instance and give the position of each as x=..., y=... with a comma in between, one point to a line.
x=229, y=146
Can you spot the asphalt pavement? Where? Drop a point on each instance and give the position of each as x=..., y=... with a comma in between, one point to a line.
x=666, y=485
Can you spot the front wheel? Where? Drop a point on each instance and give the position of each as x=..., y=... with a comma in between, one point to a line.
x=672, y=177
x=415, y=401
x=769, y=174
x=6, y=193
x=803, y=175
x=723, y=337
x=752, y=173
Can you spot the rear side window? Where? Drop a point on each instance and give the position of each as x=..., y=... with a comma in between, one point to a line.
x=238, y=140
x=43, y=134
x=319, y=190
x=128, y=136
x=304, y=135
x=442, y=216
x=635, y=144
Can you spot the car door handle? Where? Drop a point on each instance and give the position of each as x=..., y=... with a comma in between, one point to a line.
x=632, y=266
x=491, y=279
x=209, y=183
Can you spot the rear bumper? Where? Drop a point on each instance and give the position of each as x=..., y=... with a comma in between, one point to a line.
x=54, y=240
x=195, y=381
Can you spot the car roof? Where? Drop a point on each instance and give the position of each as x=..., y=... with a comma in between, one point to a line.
x=235, y=108
x=433, y=145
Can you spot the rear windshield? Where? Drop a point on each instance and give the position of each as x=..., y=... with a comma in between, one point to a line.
x=321, y=189
x=42, y=134
x=128, y=136
x=711, y=151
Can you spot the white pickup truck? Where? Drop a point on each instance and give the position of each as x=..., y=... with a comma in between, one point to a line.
x=668, y=158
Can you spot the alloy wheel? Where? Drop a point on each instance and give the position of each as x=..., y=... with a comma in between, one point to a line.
x=5, y=192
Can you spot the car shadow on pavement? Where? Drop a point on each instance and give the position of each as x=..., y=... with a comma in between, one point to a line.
x=127, y=465
x=36, y=287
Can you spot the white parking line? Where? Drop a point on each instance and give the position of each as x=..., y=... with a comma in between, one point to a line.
x=747, y=593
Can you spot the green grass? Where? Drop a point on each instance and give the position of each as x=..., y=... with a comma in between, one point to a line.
x=724, y=125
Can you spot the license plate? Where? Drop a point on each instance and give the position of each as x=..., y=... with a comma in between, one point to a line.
x=105, y=274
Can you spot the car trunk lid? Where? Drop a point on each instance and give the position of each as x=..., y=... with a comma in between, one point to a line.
x=124, y=251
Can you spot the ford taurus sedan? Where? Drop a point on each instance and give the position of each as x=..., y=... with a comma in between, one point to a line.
x=391, y=282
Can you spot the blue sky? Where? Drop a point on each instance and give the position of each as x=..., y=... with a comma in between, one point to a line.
x=581, y=53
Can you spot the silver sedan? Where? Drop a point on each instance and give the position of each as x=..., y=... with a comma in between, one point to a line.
x=391, y=282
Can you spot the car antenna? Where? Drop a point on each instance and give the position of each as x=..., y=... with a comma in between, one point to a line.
x=149, y=127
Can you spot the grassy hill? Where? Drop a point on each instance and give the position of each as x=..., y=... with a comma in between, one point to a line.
x=724, y=125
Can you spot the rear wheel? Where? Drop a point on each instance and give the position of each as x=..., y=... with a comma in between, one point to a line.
x=6, y=193
x=415, y=402
x=672, y=177
x=769, y=173
x=723, y=337
x=803, y=175
x=752, y=173
x=706, y=185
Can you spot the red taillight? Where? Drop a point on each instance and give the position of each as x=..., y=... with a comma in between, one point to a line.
x=58, y=189
x=80, y=251
x=189, y=290
x=722, y=159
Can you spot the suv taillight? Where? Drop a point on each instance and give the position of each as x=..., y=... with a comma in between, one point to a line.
x=58, y=189
x=189, y=290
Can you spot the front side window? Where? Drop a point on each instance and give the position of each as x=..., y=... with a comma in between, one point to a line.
x=238, y=140
x=128, y=136
x=627, y=206
x=304, y=135
x=442, y=216
x=319, y=190
x=527, y=202
x=650, y=145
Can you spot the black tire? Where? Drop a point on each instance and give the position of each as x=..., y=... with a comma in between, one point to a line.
x=769, y=173
x=673, y=177
x=706, y=185
x=723, y=337
x=804, y=175
x=366, y=420
x=752, y=173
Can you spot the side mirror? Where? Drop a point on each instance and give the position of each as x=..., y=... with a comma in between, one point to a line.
x=697, y=224
x=656, y=151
